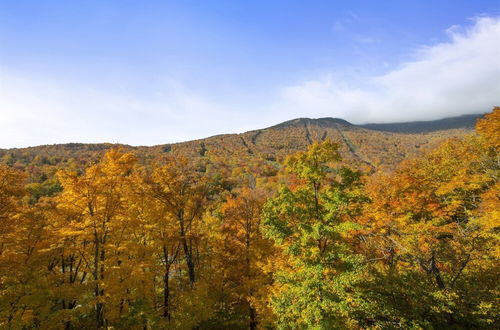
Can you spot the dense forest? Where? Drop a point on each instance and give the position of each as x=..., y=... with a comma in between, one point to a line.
x=309, y=225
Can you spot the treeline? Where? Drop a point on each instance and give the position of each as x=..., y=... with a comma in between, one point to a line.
x=186, y=243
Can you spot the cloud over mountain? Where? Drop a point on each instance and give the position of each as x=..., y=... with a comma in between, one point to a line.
x=457, y=77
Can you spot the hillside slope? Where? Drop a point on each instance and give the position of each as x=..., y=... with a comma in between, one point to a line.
x=363, y=147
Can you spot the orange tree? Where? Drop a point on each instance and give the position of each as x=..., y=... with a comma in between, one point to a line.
x=431, y=233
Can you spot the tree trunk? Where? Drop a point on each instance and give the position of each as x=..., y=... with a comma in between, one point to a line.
x=166, y=295
x=437, y=274
x=166, y=287
x=189, y=261
x=252, y=313
x=187, y=252
x=253, y=319
x=98, y=275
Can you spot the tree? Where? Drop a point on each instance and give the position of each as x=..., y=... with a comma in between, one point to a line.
x=95, y=206
x=161, y=238
x=243, y=250
x=430, y=232
x=23, y=238
x=310, y=221
x=184, y=191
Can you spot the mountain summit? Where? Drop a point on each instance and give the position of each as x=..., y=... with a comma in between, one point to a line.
x=321, y=122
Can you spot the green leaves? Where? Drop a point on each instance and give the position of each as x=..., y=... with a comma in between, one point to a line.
x=312, y=165
x=309, y=222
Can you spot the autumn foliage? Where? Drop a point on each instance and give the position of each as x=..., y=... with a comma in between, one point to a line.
x=227, y=242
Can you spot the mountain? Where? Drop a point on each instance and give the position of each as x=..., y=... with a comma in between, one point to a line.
x=465, y=122
x=371, y=146
x=322, y=122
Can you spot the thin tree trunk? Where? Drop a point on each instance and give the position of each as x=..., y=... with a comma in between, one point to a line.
x=166, y=295
x=189, y=261
x=253, y=319
x=166, y=286
x=98, y=275
x=187, y=252
x=98, y=306
x=252, y=313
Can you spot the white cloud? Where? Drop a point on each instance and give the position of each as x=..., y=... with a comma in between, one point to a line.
x=458, y=77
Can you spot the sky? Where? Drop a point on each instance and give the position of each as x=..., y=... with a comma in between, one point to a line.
x=152, y=72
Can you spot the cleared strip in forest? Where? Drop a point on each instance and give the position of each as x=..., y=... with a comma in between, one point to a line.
x=250, y=151
x=254, y=138
x=353, y=149
x=308, y=134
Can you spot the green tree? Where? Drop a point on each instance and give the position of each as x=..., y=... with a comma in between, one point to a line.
x=310, y=221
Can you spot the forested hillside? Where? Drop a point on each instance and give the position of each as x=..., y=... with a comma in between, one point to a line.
x=365, y=148
x=308, y=224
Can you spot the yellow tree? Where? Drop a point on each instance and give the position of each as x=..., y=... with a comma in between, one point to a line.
x=95, y=227
x=244, y=251
x=180, y=193
x=161, y=238
x=23, y=238
x=184, y=190
x=11, y=194
x=489, y=128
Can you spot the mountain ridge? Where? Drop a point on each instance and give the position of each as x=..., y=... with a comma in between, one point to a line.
x=325, y=121
x=365, y=148
x=424, y=126
x=421, y=126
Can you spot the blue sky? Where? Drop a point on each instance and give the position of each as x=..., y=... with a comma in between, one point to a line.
x=151, y=72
